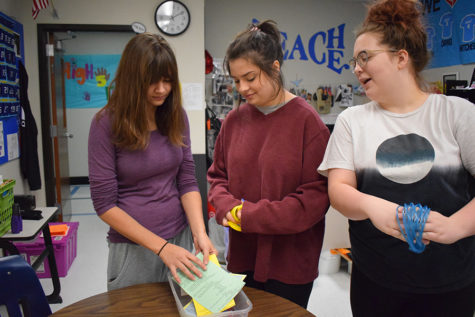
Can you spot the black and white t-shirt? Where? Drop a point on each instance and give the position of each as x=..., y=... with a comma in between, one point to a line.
x=426, y=156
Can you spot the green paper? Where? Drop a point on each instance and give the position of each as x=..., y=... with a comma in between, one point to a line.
x=214, y=289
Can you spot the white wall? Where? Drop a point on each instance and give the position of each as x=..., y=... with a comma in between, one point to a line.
x=6, y=6
x=225, y=18
x=464, y=72
x=189, y=49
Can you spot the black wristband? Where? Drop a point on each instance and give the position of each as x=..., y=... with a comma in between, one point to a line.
x=162, y=248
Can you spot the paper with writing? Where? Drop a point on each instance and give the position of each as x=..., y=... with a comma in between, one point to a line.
x=200, y=309
x=214, y=289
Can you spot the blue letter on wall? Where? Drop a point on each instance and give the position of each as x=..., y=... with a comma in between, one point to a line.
x=299, y=47
x=340, y=37
x=312, y=47
x=284, y=39
x=332, y=60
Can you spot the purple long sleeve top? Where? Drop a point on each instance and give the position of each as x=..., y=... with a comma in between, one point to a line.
x=147, y=184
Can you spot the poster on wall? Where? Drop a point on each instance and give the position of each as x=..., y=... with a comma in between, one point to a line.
x=11, y=53
x=87, y=79
x=450, y=31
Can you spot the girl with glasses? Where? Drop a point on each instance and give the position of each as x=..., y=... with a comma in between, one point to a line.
x=263, y=181
x=405, y=146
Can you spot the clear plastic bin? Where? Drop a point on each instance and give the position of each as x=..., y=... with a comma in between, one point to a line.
x=242, y=308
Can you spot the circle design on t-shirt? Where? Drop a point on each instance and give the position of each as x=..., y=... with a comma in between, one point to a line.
x=405, y=159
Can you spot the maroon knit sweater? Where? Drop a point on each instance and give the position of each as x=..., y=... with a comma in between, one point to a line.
x=271, y=162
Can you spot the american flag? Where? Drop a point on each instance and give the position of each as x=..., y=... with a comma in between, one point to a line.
x=37, y=6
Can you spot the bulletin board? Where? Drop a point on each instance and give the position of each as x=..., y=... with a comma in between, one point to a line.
x=11, y=53
x=450, y=32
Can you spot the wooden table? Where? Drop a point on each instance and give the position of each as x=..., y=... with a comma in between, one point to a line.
x=156, y=299
x=31, y=228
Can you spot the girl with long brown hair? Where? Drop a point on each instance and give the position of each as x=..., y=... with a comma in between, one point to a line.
x=141, y=171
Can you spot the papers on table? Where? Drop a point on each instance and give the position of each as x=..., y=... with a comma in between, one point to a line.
x=200, y=310
x=215, y=289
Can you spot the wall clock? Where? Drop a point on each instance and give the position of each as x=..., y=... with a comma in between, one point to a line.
x=138, y=27
x=172, y=17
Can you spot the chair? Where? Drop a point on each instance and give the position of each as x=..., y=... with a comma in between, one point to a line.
x=20, y=289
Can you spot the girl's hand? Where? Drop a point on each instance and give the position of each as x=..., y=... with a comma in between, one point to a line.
x=440, y=228
x=204, y=245
x=229, y=218
x=176, y=257
x=385, y=221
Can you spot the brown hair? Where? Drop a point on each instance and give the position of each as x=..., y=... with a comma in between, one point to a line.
x=147, y=59
x=400, y=24
x=260, y=44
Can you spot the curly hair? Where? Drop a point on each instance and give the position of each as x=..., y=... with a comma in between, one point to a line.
x=401, y=26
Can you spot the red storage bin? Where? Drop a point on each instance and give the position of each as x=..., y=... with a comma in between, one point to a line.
x=65, y=250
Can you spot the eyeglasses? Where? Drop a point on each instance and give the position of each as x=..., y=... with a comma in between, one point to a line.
x=363, y=57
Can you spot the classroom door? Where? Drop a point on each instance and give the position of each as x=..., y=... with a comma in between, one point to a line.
x=59, y=129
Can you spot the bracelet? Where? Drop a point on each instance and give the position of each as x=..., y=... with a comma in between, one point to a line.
x=414, y=219
x=162, y=248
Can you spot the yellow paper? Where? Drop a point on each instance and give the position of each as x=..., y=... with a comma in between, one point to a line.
x=202, y=311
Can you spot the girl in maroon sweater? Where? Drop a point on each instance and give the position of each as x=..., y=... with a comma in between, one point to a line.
x=266, y=155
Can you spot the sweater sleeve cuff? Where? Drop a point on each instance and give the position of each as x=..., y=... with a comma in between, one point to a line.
x=188, y=188
x=102, y=209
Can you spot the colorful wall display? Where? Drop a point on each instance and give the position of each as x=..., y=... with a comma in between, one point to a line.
x=11, y=53
x=87, y=79
x=451, y=31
